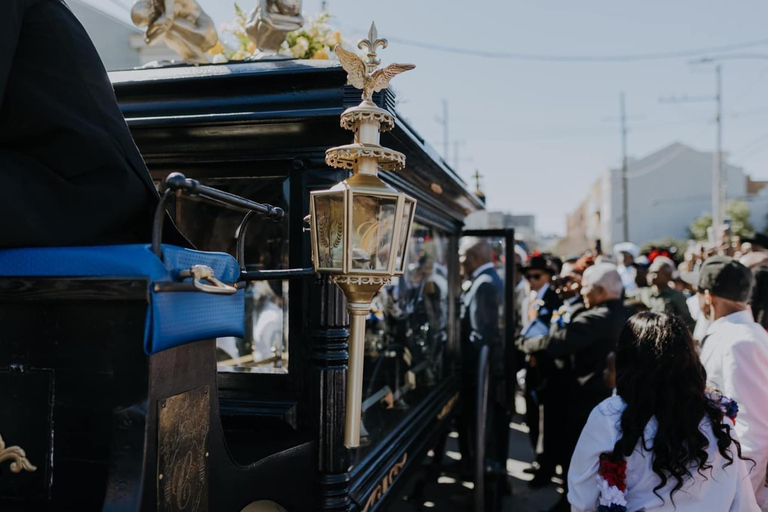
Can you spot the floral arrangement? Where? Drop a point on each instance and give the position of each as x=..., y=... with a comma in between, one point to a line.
x=612, y=482
x=315, y=40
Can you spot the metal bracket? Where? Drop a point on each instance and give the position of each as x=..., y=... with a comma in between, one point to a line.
x=198, y=273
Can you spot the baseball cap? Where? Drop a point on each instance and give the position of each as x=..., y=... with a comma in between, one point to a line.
x=725, y=277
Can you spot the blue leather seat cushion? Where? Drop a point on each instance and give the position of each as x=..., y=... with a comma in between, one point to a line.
x=173, y=318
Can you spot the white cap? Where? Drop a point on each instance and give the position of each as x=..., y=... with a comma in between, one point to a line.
x=627, y=247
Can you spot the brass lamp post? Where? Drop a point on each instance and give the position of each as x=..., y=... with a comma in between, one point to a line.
x=360, y=228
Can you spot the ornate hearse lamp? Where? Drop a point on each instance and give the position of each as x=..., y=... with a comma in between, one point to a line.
x=360, y=228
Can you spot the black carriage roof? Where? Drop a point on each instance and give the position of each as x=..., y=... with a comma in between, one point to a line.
x=271, y=110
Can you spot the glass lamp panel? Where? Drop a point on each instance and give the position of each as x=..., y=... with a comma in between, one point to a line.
x=373, y=224
x=329, y=230
x=407, y=220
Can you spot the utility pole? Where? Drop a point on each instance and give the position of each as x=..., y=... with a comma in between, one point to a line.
x=624, y=166
x=718, y=183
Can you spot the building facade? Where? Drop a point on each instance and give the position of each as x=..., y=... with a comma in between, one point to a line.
x=524, y=225
x=667, y=191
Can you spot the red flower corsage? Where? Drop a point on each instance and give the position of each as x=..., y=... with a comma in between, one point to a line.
x=615, y=473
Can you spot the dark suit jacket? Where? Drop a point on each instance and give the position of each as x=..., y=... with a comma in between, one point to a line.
x=480, y=308
x=551, y=303
x=587, y=340
x=71, y=173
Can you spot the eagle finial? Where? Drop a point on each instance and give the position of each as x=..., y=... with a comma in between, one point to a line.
x=363, y=73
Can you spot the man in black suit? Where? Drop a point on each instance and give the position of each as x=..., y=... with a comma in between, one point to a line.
x=481, y=305
x=587, y=340
x=538, y=309
x=71, y=173
x=556, y=381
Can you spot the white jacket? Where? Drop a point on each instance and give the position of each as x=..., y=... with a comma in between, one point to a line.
x=725, y=489
x=735, y=355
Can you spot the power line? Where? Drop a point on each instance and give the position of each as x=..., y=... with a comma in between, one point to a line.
x=747, y=90
x=753, y=152
x=749, y=145
x=745, y=113
x=578, y=58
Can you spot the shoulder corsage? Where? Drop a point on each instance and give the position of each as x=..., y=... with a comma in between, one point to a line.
x=612, y=481
x=729, y=406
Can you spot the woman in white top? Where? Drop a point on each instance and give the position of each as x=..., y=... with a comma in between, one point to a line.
x=664, y=443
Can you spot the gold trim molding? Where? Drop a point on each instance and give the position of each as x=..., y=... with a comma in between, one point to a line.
x=17, y=456
x=381, y=281
x=355, y=115
x=346, y=157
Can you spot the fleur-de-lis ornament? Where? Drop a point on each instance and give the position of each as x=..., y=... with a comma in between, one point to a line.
x=373, y=42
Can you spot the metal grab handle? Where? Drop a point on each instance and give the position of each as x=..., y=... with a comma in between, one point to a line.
x=177, y=181
x=198, y=273
x=483, y=376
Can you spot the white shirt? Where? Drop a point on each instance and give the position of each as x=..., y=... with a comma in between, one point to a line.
x=735, y=355
x=702, y=324
x=725, y=489
x=628, y=275
x=482, y=268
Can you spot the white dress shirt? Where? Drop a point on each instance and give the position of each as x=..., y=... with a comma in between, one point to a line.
x=482, y=268
x=628, y=275
x=725, y=489
x=702, y=324
x=735, y=355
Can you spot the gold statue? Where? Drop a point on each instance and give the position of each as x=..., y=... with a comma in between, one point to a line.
x=359, y=75
x=181, y=24
x=270, y=22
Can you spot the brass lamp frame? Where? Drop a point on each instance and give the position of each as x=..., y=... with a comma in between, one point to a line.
x=369, y=186
x=365, y=157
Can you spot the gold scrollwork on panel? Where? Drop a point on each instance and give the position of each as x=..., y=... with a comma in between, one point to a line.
x=381, y=489
x=17, y=456
x=449, y=405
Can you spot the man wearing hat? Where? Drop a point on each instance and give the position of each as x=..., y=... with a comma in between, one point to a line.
x=542, y=302
x=660, y=297
x=735, y=354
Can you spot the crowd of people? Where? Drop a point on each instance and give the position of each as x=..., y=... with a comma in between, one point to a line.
x=633, y=364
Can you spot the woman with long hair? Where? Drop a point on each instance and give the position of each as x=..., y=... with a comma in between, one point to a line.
x=664, y=443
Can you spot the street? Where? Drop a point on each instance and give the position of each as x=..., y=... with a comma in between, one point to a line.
x=449, y=493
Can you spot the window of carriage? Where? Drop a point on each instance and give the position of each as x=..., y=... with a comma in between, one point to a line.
x=406, y=335
x=264, y=348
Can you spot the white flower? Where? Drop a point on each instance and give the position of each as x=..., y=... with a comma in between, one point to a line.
x=610, y=494
x=300, y=48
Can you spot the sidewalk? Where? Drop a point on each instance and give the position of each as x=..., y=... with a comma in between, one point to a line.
x=451, y=494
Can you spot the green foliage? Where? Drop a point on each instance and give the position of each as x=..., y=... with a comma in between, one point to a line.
x=698, y=228
x=737, y=211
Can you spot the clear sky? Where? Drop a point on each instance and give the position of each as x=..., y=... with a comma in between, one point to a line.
x=542, y=132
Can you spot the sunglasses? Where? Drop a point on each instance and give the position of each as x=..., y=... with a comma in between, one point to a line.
x=535, y=276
